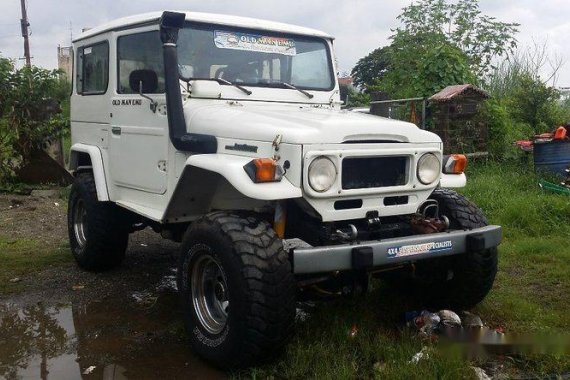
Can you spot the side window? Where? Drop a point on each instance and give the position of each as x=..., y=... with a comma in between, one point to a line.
x=141, y=53
x=93, y=69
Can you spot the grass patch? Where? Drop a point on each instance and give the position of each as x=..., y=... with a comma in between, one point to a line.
x=23, y=256
x=531, y=295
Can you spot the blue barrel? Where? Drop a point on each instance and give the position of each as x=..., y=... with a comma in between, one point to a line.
x=552, y=157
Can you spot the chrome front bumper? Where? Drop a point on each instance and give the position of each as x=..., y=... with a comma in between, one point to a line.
x=377, y=253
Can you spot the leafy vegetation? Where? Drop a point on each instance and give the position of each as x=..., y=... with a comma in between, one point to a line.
x=461, y=24
x=438, y=43
x=445, y=42
x=421, y=68
x=30, y=112
x=523, y=102
x=370, y=69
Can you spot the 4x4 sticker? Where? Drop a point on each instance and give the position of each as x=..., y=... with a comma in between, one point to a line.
x=417, y=249
x=254, y=42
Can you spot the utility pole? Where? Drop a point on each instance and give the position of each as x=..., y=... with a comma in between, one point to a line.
x=25, y=33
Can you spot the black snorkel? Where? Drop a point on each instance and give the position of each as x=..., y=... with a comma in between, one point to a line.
x=170, y=23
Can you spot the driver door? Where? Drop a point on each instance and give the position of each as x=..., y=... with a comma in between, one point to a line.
x=138, y=137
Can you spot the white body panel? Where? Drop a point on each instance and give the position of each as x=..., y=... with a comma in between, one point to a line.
x=231, y=168
x=137, y=167
x=372, y=198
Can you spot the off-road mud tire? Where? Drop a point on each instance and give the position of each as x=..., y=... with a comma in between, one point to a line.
x=460, y=281
x=106, y=231
x=260, y=285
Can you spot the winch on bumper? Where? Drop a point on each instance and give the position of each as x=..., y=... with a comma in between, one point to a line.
x=387, y=252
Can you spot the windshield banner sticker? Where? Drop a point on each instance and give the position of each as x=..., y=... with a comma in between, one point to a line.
x=417, y=249
x=254, y=42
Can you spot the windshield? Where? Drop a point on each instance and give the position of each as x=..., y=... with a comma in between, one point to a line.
x=254, y=58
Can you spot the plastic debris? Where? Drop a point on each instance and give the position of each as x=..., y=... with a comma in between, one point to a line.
x=480, y=374
x=449, y=318
x=89, y=369
x=56, y=204
x=471, y=320
x=422, y=355
x=425, y=321
x=78, y=287
x=353, y=332
x=15, y=279
x=144, y=245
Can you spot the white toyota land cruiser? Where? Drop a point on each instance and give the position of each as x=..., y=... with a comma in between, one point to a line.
x=226, y=134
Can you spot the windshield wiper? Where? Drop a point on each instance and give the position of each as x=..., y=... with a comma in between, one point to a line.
x=220, y=80
x=289, y=85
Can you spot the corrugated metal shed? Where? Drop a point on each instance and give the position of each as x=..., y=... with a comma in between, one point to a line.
x=452, y=92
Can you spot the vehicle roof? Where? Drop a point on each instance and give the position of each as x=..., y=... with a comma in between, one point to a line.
x=146, y=18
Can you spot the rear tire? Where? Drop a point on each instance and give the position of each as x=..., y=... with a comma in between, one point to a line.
x=237, y=290
x=459, y=281
x=98, y=232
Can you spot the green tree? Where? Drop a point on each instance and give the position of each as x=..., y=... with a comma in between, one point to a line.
x=462, y=24
x=422, y=65
x=433, y=30
x=536, y=104
x=371, y=68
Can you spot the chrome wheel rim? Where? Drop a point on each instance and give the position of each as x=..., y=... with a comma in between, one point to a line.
x=80, y=223
x=210, y=293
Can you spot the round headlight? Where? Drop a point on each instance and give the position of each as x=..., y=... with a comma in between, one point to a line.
x=322, y=174
x=429, y=168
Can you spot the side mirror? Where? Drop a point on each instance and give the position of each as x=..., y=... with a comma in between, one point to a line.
x=144, y=81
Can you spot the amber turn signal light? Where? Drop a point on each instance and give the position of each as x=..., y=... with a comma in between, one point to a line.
x=263, y=170
x=454, y=164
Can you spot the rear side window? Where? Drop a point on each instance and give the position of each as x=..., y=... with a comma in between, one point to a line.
x=140, y=56
x=93, y=69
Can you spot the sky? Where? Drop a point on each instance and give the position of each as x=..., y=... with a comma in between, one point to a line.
x=359, y=26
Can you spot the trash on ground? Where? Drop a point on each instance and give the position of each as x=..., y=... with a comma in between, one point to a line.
x=449, y=318
x=480, y=373
x=78, y=287
x=471, y=320
x=353, y=332
x=144, y=245
x=430, y=324
x=15, y=279
x=423, y=354
x=554, y=188
x=56, y=204
x=145, y=298
x=89, y=369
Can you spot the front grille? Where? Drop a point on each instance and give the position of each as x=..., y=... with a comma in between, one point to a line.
x=367, y=172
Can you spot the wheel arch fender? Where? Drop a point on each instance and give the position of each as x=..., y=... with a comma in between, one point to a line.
x=232, y=169
x=88, y=157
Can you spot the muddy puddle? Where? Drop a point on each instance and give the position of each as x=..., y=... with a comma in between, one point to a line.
x=129, y=336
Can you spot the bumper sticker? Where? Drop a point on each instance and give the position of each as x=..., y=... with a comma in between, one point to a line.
x=418, y=249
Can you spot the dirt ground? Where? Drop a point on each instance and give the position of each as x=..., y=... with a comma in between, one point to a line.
x=123, y=322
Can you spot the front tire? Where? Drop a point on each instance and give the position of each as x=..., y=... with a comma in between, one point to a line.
x=460, y=281
x=98, y=234
x=237, y=290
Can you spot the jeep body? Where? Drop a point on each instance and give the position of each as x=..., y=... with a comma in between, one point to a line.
x=177, y=116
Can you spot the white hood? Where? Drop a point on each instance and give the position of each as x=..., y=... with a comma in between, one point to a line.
x=297, y=124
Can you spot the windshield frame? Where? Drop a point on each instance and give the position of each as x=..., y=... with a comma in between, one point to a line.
x=274, y=33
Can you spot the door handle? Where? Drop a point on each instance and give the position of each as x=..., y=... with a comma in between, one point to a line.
x=116, y=131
